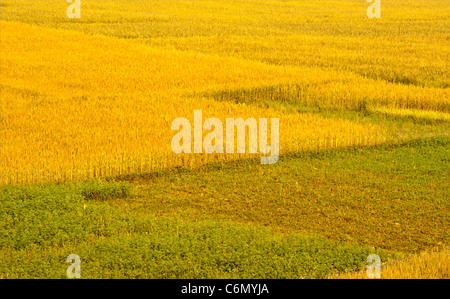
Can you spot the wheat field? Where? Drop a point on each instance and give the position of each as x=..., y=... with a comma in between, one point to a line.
x=84, y=112
x=94, y=97
x=424, y=265
x=80, y=93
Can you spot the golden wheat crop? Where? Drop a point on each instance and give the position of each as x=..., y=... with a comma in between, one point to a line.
x=98, y=106
x=95, y=96
x=415, y=113
x=408, y=44
x=424, y=265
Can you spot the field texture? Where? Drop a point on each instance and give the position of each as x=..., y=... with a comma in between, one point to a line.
x=86, y=110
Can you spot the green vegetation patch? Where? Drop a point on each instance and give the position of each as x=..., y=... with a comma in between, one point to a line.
x=41, y=225
x=394, y=197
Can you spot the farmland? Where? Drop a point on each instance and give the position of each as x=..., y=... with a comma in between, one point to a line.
x=86, y=112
